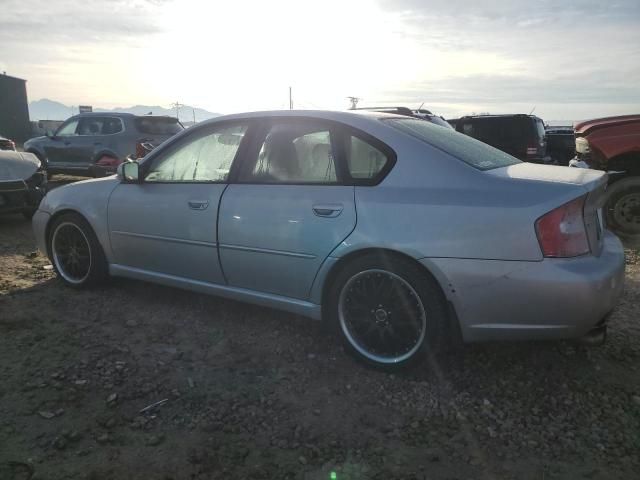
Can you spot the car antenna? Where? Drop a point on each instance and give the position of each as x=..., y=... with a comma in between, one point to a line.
x=532, y=110
x=420, y=106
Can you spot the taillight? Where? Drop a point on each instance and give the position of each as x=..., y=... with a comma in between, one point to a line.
x=561, y=232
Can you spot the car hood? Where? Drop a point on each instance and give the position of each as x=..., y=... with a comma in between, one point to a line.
x=551, y=173
x=583, y=128
x=17, y=165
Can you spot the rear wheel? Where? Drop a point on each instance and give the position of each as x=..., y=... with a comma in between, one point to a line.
x=387, y=310
x=75, y=252
x=623, y=207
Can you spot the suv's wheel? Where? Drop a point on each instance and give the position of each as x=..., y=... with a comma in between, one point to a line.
x=623, y=207
x=75, y=252
x=388, y=311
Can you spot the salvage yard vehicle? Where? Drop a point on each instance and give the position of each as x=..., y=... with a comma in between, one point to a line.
x=398, y=233
x=520, y=135
x=22, y=183
x=6, y=144
x=94, y=144
x=613, y=144
x=422, y=113
x=561, y=145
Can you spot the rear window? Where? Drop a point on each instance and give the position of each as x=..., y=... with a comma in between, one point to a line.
x=540, y=126
x=477, y=154
x=158, y=126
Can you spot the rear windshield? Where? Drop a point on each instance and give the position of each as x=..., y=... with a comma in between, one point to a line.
x=477, y=154
x=159, y=126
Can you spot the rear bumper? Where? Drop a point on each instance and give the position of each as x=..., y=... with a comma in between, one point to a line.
x=39, y=225
x=550, y=299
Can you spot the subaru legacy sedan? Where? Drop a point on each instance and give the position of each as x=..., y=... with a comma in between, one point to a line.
x=398, y=233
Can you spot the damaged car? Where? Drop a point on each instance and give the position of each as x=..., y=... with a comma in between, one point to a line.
x=612, y=144
x=22, y=183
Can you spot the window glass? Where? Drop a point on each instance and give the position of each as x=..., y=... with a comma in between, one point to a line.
x=68, y=129
x=158, y=125
x=294, y=153
x=364, y=160
x=99, y=126
x=475, y=153
x=205, y=159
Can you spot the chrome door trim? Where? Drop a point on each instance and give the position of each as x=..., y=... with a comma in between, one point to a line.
x=266, y=250
x=292, y=305
x=165, y=239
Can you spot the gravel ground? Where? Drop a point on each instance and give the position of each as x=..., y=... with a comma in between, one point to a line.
x=255, y=393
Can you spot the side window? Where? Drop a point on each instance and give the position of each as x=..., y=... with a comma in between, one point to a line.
x=365, y=161
x=68, y=129
x=111, y=125
x=467, y=129
x=207, y=158
x=294, y=153
x=91, y=126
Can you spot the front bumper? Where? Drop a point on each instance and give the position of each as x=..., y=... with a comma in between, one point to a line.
x=551, y=299
x=18, y=196
x=39, y=225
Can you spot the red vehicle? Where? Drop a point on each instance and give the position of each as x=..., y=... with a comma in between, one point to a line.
x=613, y=144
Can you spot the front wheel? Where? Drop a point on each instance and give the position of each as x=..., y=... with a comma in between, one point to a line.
x=388, y=311
x=75, y=252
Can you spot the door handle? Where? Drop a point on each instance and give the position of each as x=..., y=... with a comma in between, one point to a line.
x=198, y=204
x=328, y=210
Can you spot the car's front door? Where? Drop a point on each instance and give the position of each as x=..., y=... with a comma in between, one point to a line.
x=57, y=148
x=288, y=210
x=167, y=224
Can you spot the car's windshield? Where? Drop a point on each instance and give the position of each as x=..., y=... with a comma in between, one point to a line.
x=473, y=152
x=159, y=126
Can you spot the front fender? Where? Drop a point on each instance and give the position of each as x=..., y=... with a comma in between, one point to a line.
x=88, y=198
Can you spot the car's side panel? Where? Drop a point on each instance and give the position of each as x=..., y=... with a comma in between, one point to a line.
x=271, y=239
x=167, y=228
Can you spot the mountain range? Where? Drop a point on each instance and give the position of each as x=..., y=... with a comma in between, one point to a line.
x=46, y=109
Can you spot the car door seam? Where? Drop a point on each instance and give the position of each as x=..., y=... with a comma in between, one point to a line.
x=224, y=276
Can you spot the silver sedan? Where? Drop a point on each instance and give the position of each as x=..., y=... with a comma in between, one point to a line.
x=397, y=232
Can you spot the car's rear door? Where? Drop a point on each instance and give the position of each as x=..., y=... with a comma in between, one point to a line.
x=289, y=208
x=168, y=223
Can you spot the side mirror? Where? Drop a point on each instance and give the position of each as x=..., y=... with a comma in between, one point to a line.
x=129, y=172
x=50, y=134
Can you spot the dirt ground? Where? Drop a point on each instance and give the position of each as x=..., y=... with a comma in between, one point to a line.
x=255, y=393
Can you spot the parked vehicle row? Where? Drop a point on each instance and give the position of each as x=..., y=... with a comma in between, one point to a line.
x=397, y=232
x=94, y=144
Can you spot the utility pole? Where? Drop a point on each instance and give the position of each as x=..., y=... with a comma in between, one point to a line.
x=177, y=105
x=194, y=115
x=290, y=100
x=354, y=102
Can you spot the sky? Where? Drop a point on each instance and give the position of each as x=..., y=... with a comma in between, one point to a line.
x=569, y=60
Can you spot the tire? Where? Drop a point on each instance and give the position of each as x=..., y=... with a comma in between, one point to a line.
x=75, y=253
x=622, y=207
x=377, y=303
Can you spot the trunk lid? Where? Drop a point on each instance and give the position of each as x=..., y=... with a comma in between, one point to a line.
x=582, y=181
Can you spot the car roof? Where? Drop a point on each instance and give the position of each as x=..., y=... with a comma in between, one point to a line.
x=503, y=115
x=118, y=114
x=335, y=115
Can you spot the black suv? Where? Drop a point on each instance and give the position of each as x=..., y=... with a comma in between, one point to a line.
x=95, y=144
x=520, y=135
x=561, y=144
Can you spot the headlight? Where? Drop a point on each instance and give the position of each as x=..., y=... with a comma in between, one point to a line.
x=37, y=179
x=582, y=146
